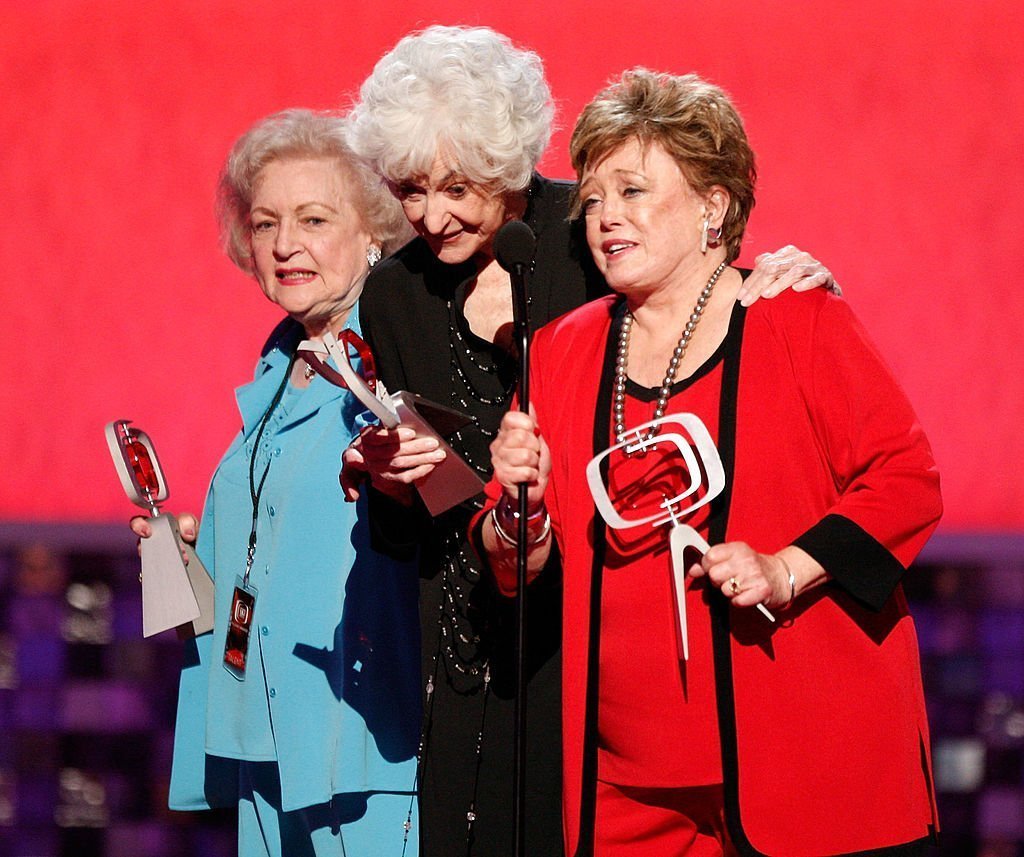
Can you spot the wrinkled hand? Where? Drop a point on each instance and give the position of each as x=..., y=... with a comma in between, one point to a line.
x=393, y=460
x=520, y=454
x=759, y=578
x=788, y=268
x=188, y=528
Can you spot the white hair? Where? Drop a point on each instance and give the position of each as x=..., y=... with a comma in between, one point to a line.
x=464, y=93
x=298, y=133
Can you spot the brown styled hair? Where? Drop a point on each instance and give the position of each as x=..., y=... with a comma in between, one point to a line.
x=692, y=120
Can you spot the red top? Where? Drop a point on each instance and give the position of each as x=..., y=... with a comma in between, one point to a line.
x=658, y=725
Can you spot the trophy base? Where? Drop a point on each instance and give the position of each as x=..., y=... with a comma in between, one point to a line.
x=453, y=481
x=167, y=596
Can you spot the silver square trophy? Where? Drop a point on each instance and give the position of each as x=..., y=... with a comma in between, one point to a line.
x=453, y=481
x=175, y=593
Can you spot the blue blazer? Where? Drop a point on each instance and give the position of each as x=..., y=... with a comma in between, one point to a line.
x=331, y=690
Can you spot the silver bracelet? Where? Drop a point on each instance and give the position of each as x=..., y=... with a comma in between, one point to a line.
x=792, y=582
x=545, y=530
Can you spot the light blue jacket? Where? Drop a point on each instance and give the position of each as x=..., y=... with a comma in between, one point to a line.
x=332, y=683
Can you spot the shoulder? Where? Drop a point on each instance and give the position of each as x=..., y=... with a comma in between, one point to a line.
x=407, y=263
x=564, y=265
x=816, y=330
x=284, y=338
x=397, y=286
x=584, y=323
x=799, y=313
x=548, y=211
x=552, y=194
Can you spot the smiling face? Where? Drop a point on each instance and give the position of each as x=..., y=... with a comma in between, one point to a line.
x=308, y=241
x=643, y=219
x=457, y=218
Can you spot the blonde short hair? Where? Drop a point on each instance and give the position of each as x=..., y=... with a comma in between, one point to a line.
x=692, y=120
x=300, y=133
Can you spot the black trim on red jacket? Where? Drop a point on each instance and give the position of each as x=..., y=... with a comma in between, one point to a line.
x=857, y=562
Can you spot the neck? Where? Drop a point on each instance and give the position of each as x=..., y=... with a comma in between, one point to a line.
x=659, y=325
x=315, y=329
x=674, y=301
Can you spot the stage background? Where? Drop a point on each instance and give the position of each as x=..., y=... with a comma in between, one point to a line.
x=888, y=135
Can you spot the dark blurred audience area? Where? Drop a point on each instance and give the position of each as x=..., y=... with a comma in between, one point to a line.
x=87, y=705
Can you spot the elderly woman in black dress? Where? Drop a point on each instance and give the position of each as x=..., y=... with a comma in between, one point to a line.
x=456, y=120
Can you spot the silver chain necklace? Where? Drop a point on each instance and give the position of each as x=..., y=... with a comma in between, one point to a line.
x=622, y=359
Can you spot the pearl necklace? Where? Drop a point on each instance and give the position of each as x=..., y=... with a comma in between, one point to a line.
x=619, y=407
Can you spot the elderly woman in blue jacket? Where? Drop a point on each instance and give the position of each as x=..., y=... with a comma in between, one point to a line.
x=312, y=730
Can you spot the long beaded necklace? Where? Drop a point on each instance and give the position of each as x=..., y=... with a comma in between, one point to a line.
x=457, y=648
x=622, y=359
x=459, y=653
x=465, y=392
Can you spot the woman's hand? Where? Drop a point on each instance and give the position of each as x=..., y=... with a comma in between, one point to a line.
x=393, y=460
x=747, y=578
x=773, y=580
x=188, y=529
x=520, y=454
x=788, y=268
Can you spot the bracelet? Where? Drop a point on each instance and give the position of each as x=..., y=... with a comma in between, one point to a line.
x=792, y=581
x=502, y=534
x=509, y=515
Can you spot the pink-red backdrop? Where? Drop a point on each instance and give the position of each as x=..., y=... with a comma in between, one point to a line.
x=888, y=132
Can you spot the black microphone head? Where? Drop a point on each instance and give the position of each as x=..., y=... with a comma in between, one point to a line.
x=513, y=245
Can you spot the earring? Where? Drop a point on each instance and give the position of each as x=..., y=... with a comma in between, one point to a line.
x=715, y=235
x=372, y=255
x=704, y=235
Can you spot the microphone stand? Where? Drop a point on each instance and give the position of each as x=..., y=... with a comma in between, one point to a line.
x=518, y=244
x=521, y=321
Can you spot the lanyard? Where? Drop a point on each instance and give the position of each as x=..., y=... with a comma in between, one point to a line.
x=255, y=492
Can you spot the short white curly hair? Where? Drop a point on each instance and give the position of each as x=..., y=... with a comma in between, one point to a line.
x=465, y=93
x=299, y=133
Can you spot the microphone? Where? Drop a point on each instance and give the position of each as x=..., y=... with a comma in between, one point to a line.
x=513, y=247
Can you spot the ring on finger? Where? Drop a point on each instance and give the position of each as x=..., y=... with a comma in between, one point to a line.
x=734, y=587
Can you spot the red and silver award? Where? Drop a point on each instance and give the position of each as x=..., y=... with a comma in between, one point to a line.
x=175, y=593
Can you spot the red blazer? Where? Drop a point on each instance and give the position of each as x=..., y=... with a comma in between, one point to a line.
x=823, y=730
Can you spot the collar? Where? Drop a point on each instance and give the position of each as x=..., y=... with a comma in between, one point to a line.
x=254, y=398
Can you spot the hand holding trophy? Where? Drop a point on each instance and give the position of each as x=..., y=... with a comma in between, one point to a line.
x=452, y=480
x=177, y=592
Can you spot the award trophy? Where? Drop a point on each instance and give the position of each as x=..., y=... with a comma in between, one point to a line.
x=175, y=594
x=453, y=480
x=701, y=465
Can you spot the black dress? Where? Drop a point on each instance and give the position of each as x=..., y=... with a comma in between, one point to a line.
x=411, y=315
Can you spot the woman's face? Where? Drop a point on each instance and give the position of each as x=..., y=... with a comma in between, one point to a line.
x=643, y=219
x=457, y=218
x=308, y=241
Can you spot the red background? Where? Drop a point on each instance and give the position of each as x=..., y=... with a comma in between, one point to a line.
x=888, y=134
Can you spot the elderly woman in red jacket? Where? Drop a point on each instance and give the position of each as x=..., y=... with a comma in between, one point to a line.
x=804, y=735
